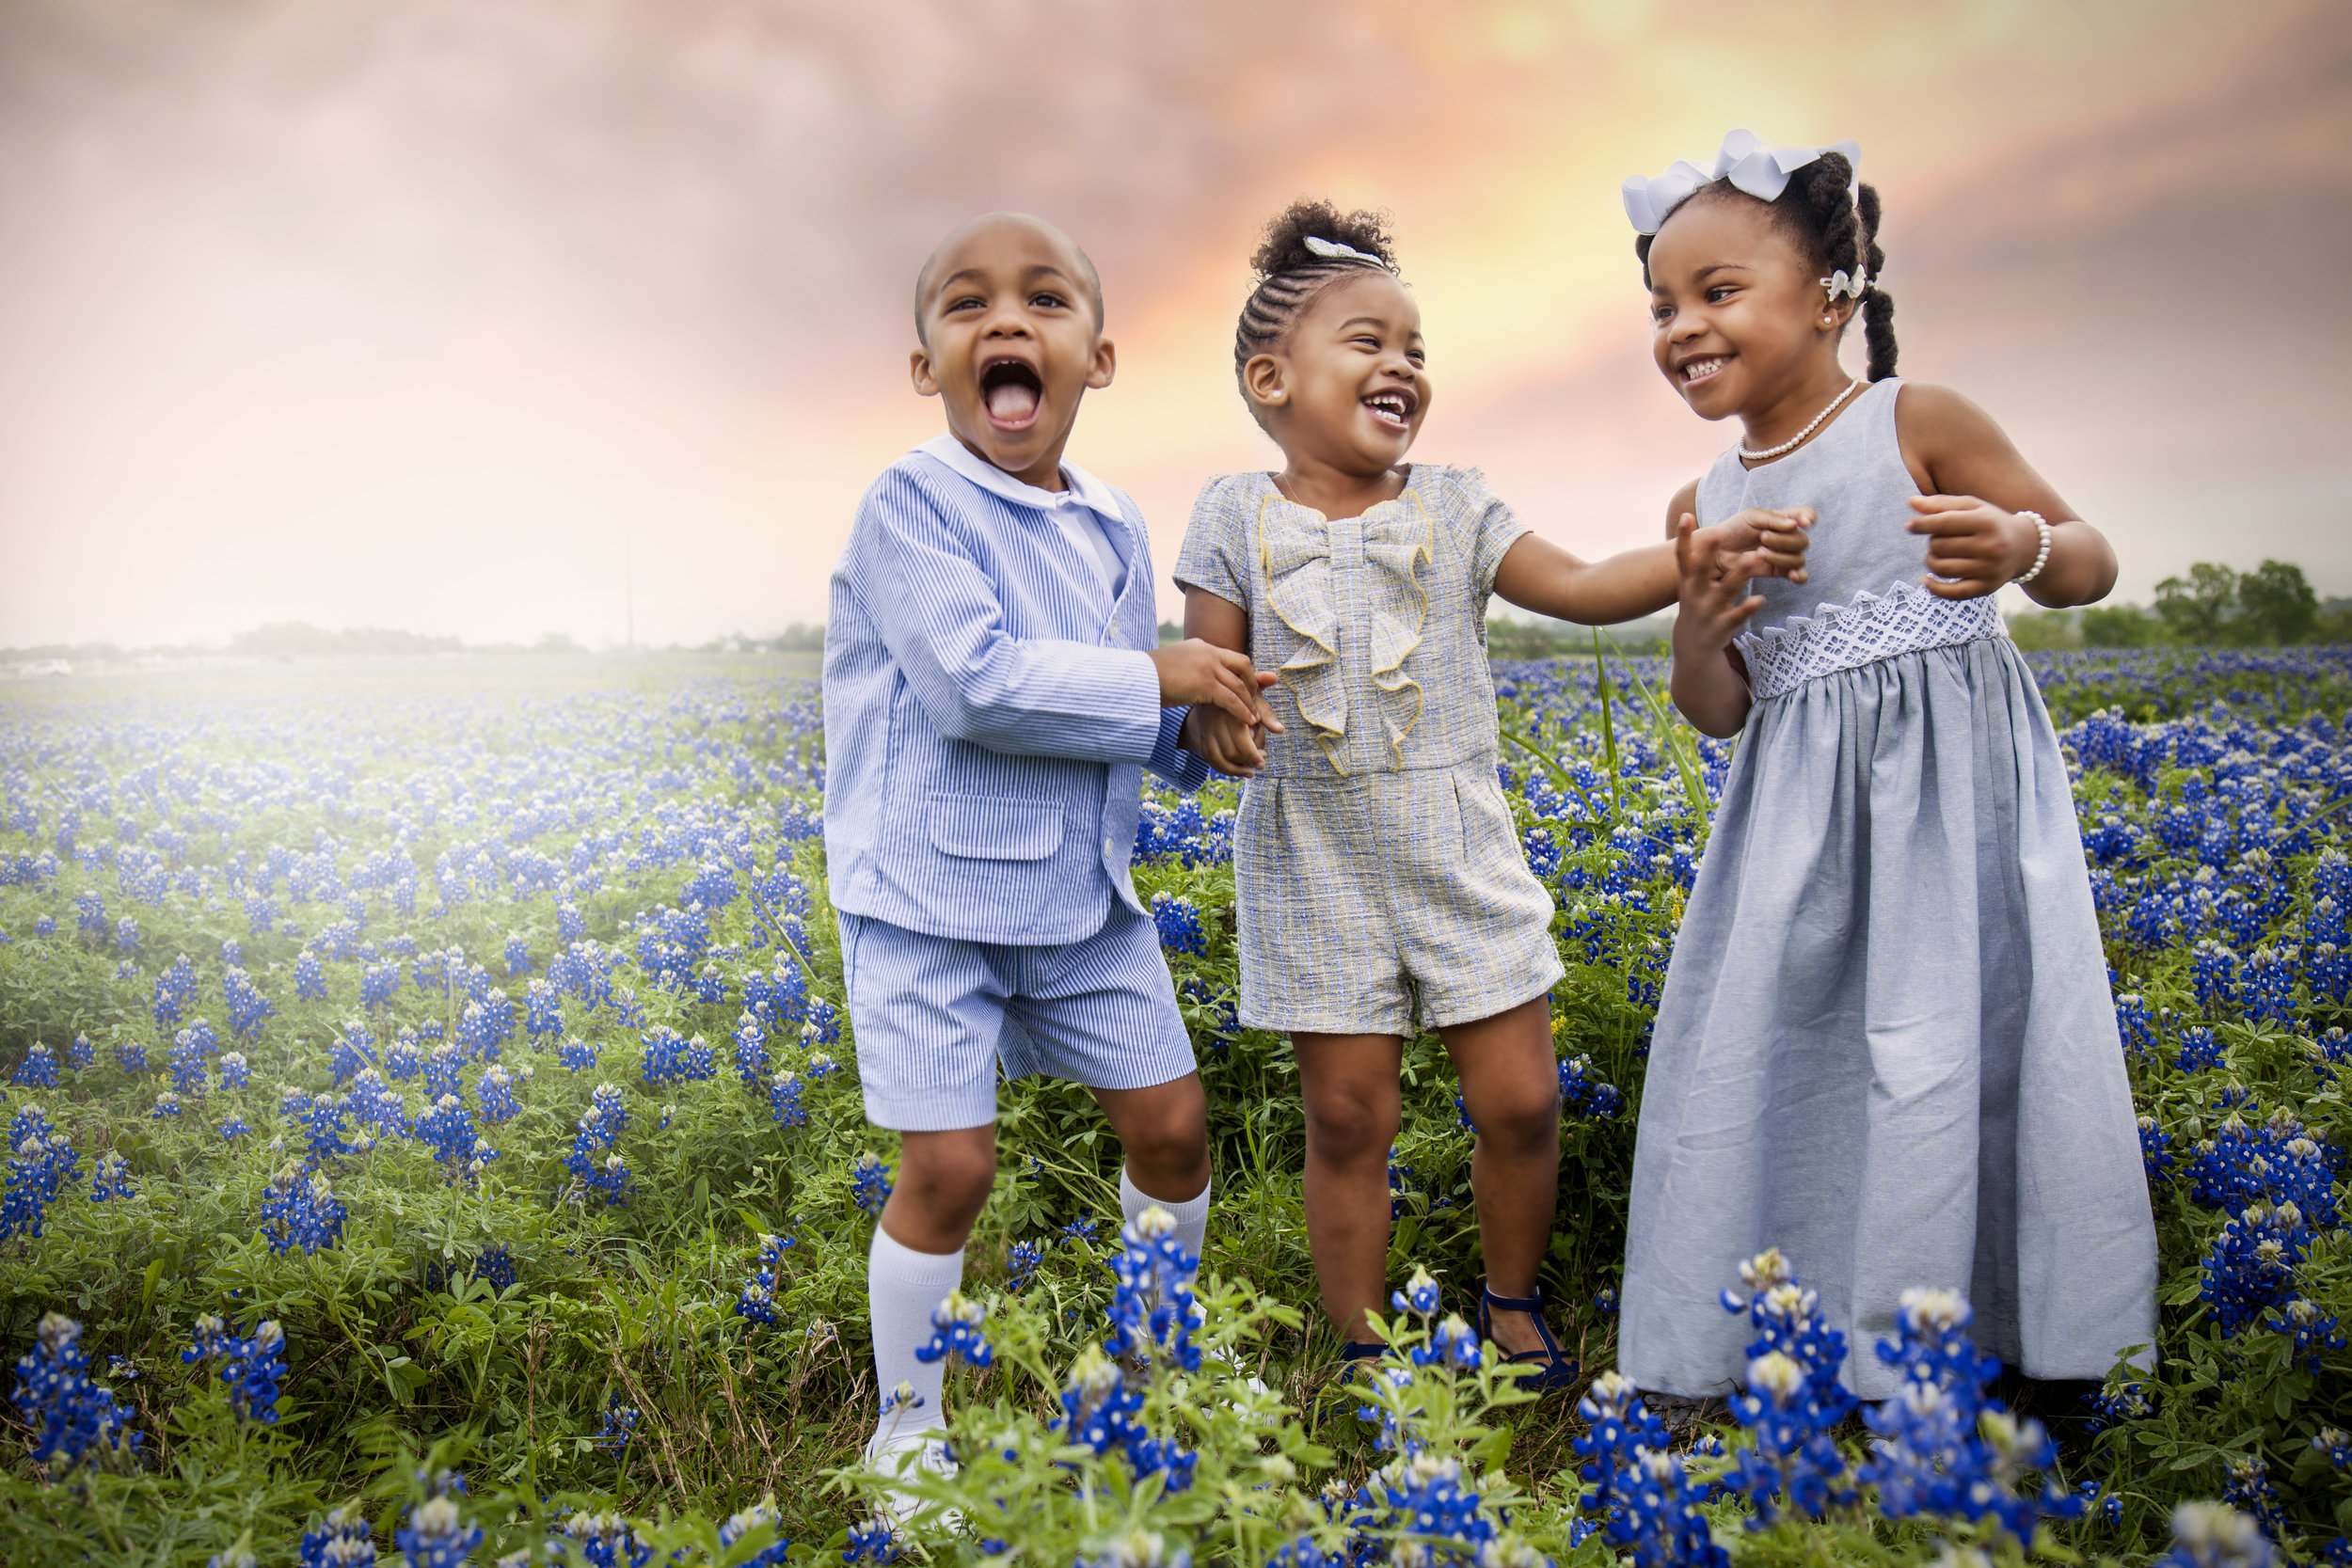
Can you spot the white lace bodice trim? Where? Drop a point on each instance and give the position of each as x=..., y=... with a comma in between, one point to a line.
x=1906, y=618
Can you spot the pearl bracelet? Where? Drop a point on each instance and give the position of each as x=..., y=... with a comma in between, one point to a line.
x=2042, y=557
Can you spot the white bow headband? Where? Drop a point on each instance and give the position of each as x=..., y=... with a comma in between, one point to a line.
x=1747, y=163
x=1331, y=250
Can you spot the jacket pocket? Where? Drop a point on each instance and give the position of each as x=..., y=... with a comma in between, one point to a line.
x=992, y=828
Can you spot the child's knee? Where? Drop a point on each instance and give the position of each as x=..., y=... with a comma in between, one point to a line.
x=947, y=1175
x=1353, y=1126
x=1169, y=1144
x=1523, y=1123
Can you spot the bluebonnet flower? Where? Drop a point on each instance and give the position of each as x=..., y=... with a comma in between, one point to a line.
x=2155, y=1150
x=1401, y=1186
x=301, y=1211
x=543, y=1008
x=760, y=1515
x=127, y=934
x=495, y=1093
x=2214, y=1535
x=1419, y=1294
x=343, y=1541
x=40, y=1162
x=1606, y=1301
x=2248, y=1488
x=1947, y=1448
x=449, y=1130
x=750, y=1049
x=2333, y=1442
x=518, y=955
x=309, y=977
x=821, y=1067
x=670, y=1059
x=175, y=989
x=1099, y=1411
x=2200, y=1051
x=81, y=1055
x=597, y=1129
x=74, y=1420
x=783, y=1100
x=1794, y=1401
x=604, y=1540
x=1082, y=1230
x=235, y=1073
x=378, y=983
x=1021, y=1265
x=2278, y=1162
x=111, y=1179
x=873, y=1541
x=955, y=1325
x=252, y=1366
x=576, y=1055
x=89, y=916
x=1582, y=1094
x=2250, y=1268
x=1179, y=923
x=233, y=1129
x=131, y=1058
x=324, y=1123
x=620, y=1424
x=167, y=1104
x=2214, y=977
x=374, y=1104
x=188, y=1063
x=2313, y=1332
x=249, y=1009
x=1647, y=1502
x=433, y=1534
x=440, y=1070
x=1154, y=1314
x=37, y=1070
x=869, y=1183
x=404, y=1057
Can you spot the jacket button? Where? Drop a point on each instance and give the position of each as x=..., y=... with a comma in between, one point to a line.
x=1106, y=846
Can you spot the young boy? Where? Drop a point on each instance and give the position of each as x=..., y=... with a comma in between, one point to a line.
x=994, y=686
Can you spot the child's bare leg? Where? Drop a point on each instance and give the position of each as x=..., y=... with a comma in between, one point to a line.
x=1354, y=1106
x=943, y=1183
x=915, y=1261
x=1164, y=1130
x=1511, y=1085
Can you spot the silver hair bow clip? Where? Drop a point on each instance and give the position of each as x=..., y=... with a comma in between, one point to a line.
x=1747, y=163
x=1331, y=250
x=1840, y=286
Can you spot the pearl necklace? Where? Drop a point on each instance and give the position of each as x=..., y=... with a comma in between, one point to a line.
x=1798, y=439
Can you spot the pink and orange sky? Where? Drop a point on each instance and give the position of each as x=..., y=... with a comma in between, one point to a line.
x=418, y=312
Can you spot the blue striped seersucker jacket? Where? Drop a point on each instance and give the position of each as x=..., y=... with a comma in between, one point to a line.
x=988, y=707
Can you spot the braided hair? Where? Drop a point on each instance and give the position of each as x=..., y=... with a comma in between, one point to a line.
x=1835, y=232
x=1289, y=275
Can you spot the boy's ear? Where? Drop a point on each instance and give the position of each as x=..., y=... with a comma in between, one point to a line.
x=1262, y=379
x=1104, y=367
x=919, y=371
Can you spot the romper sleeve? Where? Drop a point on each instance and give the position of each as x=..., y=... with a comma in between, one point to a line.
x=1487, y=528
x=1216, y=554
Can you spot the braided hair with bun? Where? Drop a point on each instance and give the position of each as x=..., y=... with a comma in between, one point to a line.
x=1836, y=230
x=1290, y=274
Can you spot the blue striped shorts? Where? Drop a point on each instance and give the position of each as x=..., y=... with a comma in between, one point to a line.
x=934, y=1016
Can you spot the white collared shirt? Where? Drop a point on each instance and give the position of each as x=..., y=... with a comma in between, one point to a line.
x=1074, y=510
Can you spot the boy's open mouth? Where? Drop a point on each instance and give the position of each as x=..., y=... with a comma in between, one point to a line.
x=1010, y=391
x=1393, y=406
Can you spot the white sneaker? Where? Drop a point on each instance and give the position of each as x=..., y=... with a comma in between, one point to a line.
x=904, y=1454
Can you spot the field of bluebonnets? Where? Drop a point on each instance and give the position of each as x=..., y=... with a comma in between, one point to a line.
x=433, y=1133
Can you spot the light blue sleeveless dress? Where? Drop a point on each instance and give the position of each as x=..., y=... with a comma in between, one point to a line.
x=1886, y=1044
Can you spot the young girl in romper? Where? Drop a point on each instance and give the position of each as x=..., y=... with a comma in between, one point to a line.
x=1380, y=881
x=1885, y=1044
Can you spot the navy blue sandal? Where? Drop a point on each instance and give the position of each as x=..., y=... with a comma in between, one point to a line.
x=1549, y=1367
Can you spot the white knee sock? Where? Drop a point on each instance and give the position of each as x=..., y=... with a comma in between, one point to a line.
x=1191, y=1216
x=902, y=1286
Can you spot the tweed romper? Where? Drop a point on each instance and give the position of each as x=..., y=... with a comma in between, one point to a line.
x=1379, y=877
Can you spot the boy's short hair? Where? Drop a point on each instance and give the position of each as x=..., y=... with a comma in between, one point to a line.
x=1088, y=273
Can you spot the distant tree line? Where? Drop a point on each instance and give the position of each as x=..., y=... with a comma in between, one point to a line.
x=2211, y=606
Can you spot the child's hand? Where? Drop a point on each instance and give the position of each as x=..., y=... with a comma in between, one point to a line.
x=1761, y=541
x=1714, y=597
x=1974, y=546
x=1194, y=672
x=1234, y=750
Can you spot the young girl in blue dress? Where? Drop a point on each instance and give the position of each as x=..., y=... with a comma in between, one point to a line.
x=1886, y=1044
x=1380, y=883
